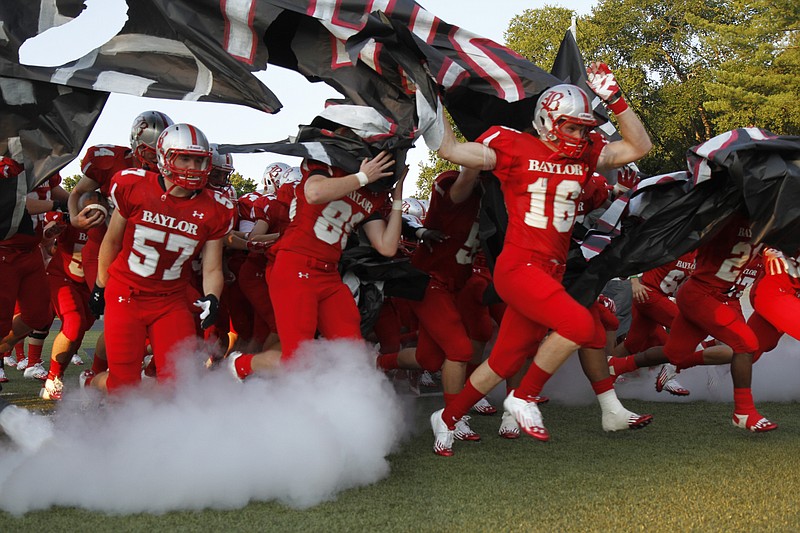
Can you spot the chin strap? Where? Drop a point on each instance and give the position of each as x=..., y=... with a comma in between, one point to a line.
x=166, y=193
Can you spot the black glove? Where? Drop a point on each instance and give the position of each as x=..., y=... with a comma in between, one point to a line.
x=209, y=306
x=60, y=205
x=97, y=301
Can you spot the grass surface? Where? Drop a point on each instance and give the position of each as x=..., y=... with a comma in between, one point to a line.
x=689, y=470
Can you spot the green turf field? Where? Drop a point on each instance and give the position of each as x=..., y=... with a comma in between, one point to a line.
x=689, y=470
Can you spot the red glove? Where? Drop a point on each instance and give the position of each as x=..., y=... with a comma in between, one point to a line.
x=54, y=224
x=9, y=168
x=258, y=246
x=608, y=303
x=774, y=262
x=602, y=81
x=627, y=179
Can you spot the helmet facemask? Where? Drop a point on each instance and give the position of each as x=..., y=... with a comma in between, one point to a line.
x=184, y=140
x=560, y=105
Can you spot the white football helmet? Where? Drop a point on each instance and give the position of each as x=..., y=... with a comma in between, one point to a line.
x=271, y=180
x=221, y=167
x=178, y=140
x=414, y=207
x=557, y=106
x=144, y=134
x=292, y=175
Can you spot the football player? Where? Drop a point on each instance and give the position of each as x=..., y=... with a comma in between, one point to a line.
x=708, y=304
x=162, y=221
x=541, y=179
x=305, y=286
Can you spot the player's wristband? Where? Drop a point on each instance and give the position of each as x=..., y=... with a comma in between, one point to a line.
x=362, y=178
x=617, y=103
x=397, y=205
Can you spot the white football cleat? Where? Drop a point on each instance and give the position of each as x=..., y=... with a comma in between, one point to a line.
x=443, y=436
x=673, y=387
x=3, y=378
x=426, y=380
x=509, y=429
x=36, y=371
x=483, y=407
x=22, y=364
x=76, y=360
x=665, y=375
x=10, y=361
x=232, y=357
x=464, y=432
x=85, y=378
x=527, y=415
x=624, y=419
x=52, y=390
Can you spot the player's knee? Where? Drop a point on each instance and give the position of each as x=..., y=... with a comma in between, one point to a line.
x=579, y=327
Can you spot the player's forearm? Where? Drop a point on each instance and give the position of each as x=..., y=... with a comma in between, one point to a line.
x=213, y=281
x=321, y=190
x=387, y=241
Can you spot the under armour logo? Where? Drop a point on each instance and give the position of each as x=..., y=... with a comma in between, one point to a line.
x=302, y=275
x=198, y=215
x=121, y=299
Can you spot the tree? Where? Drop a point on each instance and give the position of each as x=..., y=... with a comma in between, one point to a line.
x=241, y=184
x=756, y=82
x=69, y=182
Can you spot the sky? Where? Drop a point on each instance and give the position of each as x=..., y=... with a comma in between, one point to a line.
x=229, y=123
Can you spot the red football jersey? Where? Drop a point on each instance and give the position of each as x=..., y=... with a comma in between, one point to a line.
x=321, y=231
x=67, y=260
x=103, y=161
x=450, y=261
x=667, y=278
x=541, y=189
x=245, y=211
x=163, y=233
x=721, y=261
x=593, y=195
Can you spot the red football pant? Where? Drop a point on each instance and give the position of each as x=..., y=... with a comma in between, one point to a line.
x=441, y=331
x=130, y=319
x=604, y=320
x=71, y=303
x=476, y=316
x=536, y=302
x=23, y=282
x=701, y=312
x=307, y=298
x=648, y=320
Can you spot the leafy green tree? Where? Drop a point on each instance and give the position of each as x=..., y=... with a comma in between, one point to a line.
x=757, y=81
x=241, y=184
x=536, y=34
x=69, y=182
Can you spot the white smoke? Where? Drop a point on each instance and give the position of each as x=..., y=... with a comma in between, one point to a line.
x=299, y=437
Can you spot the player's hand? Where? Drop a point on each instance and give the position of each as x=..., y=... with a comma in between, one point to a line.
x=627, y=179
x=97, y=301
x=209, y=307
x=55, y=223
x=602, y=81
x=88, y=218
x=639, y=291
x=378, y=167
x=430, y=237
x=9, y=168
x=608, y=303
